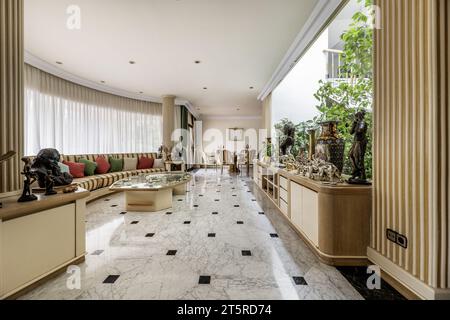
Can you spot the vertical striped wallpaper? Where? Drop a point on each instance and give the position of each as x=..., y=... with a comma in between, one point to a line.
x=11, y=91
x=411, y=136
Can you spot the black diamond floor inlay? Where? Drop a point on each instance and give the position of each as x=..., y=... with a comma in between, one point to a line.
x=261, y=213
x=274, y=235
x=211, y=235
x=187, y=222
x=300, y=281
x=114, y=206
x=169, y=213
x=357, y=276
x=240, y=222
x=246, y=253
x=135, y=222
x=195, y=205
x=97, y=252
x=236, y=206
x=111, y=279
x=123, y=212
x=149, y=235
x=217, y=200
x=179, y=200
x=171, y=252
x=215, y=213
x=204, y=280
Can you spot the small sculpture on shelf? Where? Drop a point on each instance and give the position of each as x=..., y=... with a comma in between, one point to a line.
x=288, y=138
x=49, y=184
x=47, y=160
x=320, y=170
x=358, y=149
x=30, y=178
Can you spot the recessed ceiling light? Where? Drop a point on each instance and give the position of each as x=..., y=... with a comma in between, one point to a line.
x=132, y=62
x=59, y=62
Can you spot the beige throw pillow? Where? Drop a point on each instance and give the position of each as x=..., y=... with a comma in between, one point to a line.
x=130, y=164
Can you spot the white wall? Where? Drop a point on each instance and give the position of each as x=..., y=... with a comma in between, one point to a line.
x=215, y=133
x=294, y=96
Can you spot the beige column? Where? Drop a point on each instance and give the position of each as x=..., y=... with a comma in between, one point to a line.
x=11, y=92
x=168, y=111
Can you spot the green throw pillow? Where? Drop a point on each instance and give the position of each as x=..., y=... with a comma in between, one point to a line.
x=89, y=167
x=116, y=164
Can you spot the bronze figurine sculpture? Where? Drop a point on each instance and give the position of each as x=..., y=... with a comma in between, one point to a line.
x=30, y=178
x=47, y=161
x=288, y=138
x=358, y=150
x=49, y=184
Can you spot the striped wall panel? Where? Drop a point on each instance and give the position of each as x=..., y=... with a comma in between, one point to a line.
x=411, y=137
x=11, y=91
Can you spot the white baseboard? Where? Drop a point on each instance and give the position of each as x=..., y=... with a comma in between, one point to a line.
x=406, y=279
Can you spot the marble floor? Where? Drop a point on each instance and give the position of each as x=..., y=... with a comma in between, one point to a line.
x=223, y=240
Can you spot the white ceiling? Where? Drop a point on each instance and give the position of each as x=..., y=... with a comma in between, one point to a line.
x=239, y=43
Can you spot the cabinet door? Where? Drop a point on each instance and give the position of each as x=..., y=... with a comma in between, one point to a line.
x=310, y=215
x=296, y=204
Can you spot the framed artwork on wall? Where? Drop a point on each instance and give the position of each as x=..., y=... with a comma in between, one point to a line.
x=236, y=134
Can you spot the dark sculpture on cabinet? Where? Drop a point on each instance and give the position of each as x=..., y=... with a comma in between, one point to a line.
x=358, y=150
x=46, y=163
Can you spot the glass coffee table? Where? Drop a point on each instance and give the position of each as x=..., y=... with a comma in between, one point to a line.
x=152, y=192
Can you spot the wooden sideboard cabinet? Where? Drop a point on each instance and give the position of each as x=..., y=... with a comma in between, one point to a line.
x=333, y=220
x=39, y=239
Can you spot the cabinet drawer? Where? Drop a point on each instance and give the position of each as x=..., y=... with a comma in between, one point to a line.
x=284, y=195
x=284, y=207
x=284, y=183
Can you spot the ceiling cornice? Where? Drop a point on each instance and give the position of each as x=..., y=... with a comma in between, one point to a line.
x=212, y=117
x=321, y=14
x=50, y=68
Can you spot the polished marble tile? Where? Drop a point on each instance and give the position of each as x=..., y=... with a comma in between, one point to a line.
x=146, y=272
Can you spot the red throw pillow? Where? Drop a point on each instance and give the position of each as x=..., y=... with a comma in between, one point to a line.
x=145, y=163
x=103, y=165
x=76, y=169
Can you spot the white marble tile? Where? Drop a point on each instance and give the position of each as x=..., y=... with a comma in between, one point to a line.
x=146, y=272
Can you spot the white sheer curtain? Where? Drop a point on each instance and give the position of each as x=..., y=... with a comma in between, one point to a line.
x=78, y=120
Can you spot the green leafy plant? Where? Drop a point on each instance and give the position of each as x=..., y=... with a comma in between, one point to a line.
x=342, y=99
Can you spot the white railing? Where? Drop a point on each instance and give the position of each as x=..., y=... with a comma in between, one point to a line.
x=333, y=64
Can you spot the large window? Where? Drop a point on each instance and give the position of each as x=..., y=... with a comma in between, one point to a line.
x=78, y=120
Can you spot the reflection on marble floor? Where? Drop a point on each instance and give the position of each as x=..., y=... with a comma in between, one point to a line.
x=133, y=248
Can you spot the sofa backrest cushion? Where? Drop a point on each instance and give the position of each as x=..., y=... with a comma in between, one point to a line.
x=130, y=164
x=89, y=166
x=145, y=163
x=103, y=165
x=76, y=169
x=116, y=164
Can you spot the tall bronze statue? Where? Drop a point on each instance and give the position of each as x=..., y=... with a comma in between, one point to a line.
x=288, y=138
x=30, y=178
x=358, y=150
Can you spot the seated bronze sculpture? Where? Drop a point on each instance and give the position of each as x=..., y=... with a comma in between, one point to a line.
x=46, y=163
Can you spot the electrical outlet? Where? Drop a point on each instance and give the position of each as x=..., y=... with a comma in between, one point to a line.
x=397, y=238
x=391, y=235
x=402, y=241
